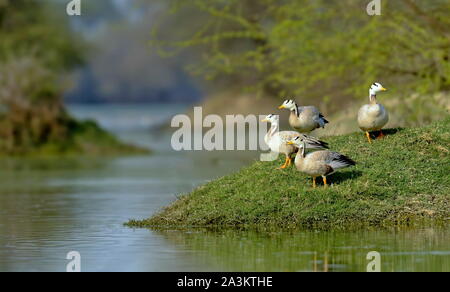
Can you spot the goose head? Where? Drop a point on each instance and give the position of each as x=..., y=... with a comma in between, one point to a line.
x=375, y=88
x=289, y=104
x=297, y=142
x=273, y=119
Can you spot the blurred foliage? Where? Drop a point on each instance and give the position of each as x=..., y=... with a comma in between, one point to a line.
x=31, y=110
x=33, y=119
x=325, y=49
x=37, y=48
x=32, y=28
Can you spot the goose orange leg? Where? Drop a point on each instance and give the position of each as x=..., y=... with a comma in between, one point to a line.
x=289, y=161
x=285, y=163
x=368, y=137
x=314, y=182
x=325, y=181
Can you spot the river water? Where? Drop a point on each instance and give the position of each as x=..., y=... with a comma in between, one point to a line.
x=50, y=207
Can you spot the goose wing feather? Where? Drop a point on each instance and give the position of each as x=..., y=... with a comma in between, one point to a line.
x=337, y=160
x=313, y=142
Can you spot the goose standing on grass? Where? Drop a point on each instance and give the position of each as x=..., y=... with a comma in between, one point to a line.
x=373, y=116
x=304, y=118
x=319, y=163
x=278, y=141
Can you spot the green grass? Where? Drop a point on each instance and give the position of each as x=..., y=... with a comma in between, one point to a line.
x=398, y=180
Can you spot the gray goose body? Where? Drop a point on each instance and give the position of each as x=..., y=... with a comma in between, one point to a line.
x=304, y=119
x=373, y=116
x=322, y=163
x=319, y=163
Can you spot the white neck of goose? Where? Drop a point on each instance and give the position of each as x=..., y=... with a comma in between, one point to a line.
x=372, y=96
x=303, y=150
x=273, y=129
x=294, y=109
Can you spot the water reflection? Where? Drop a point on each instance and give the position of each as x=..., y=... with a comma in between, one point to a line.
x=401, y=250
x=51, y=207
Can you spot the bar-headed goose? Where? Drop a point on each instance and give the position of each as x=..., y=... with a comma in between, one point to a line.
x=373, y=116
x=278, y=141
x=304, y=118
x=319, y=163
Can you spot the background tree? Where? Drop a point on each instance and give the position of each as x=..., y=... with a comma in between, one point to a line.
x=36, y=48
x=326, y=50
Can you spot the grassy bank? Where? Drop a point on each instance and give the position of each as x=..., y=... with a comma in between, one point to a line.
x=401, y=179
x=88, y=139
x=83, y=138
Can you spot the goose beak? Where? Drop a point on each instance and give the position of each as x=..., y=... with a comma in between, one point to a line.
x=290, y=143
x=383, y=89
x=264, y=121
x=281, y=107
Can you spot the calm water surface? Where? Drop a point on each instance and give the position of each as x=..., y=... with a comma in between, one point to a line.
x=49, y=207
